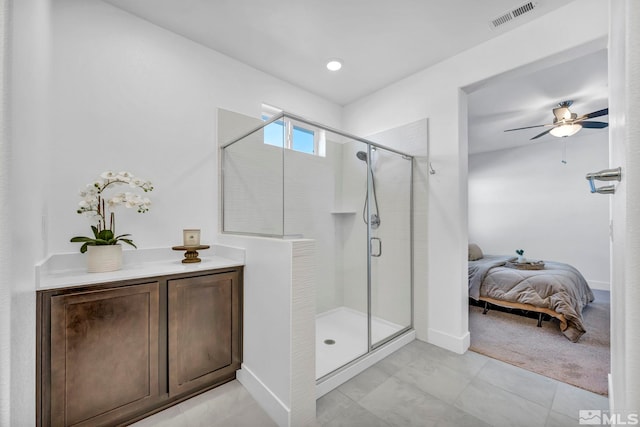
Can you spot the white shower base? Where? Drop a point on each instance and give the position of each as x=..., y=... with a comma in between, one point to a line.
x=348, y=329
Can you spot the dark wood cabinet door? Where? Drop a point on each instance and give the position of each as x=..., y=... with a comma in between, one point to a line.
x=104, y=354
x=204, y=331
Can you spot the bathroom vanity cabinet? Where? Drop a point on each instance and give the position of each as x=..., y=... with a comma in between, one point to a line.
x=113, y=353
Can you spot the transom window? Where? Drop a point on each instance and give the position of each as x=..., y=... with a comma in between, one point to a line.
x=288, y=134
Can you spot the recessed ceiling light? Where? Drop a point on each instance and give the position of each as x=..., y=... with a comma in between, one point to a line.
x=334, y=64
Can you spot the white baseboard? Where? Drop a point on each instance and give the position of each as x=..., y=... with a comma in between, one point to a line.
x=603, y=286
x=277, y=410
x=450, y=342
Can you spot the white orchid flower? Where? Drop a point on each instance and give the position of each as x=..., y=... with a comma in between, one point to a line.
x=100, y=209
x=108, y=175
x=129, y=196
x=124, y=176
x=116, y=200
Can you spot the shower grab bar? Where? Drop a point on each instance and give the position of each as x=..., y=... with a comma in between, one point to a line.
x=379, y=247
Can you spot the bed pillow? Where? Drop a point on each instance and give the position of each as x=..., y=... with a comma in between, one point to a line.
x=475, y=253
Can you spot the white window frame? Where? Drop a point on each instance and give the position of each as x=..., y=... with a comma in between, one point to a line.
x=289, y=125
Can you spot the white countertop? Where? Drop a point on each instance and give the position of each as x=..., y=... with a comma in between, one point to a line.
x=66, y=270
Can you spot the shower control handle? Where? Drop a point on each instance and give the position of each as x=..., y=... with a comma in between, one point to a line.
x=375, y=221
x=379, y=247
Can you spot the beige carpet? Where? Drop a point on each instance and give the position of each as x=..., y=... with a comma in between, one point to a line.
x=516, y=340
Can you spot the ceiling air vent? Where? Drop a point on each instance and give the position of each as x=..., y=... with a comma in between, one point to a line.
x=512, y=14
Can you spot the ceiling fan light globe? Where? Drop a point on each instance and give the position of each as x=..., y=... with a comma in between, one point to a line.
x=566, y=130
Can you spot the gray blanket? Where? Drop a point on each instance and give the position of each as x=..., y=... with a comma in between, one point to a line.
x=559, y=287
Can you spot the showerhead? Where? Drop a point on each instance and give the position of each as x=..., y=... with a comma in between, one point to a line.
x=362, y=155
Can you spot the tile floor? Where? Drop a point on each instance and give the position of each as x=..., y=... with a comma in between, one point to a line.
x=419, y=385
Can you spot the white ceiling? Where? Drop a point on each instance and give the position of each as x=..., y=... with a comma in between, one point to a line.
x=381, y=42
x=527, y=98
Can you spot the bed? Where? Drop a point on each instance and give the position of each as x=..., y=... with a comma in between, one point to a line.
x=558, y=290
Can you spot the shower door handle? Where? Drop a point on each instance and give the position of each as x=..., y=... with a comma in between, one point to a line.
x=378, y=252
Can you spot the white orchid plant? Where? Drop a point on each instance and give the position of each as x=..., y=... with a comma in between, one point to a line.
x=97, y=207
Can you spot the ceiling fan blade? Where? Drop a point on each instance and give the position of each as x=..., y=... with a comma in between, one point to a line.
x=598, y=113
x=541, y=134
x=527, y=127
x=594, y=125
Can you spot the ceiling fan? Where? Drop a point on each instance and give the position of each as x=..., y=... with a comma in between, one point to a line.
x=566, y=123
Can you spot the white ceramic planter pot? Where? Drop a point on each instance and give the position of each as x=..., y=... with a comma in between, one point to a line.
x=104, y=258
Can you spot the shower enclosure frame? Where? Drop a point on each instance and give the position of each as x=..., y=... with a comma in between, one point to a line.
x=371, y=346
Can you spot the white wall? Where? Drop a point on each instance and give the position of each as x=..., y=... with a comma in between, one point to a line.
x=128, y=95
x=30, y=190
x=624, y=63
x=526, y=198
x=632, y=249
x=279, y=289
x=5, y=225
x=95, y=88
x=436, y=93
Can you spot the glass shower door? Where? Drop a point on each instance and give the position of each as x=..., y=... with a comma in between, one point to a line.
x=389, y=232
x=333, y=211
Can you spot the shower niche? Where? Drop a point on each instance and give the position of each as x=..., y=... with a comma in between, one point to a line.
x=290, y=178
